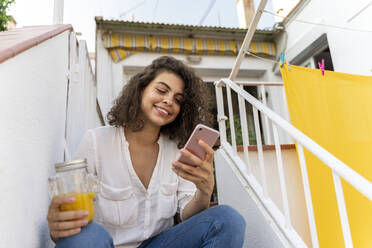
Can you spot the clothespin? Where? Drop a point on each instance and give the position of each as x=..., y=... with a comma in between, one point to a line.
x=282, y=60
x=321, y=66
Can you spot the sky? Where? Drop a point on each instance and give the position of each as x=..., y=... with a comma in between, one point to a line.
x=81, y=13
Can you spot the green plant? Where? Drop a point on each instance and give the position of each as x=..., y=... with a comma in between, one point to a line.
x=4, y=18
x=238, y=132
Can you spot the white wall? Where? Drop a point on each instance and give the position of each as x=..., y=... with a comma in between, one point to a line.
x=210, y=68
x=82, y=113
x=240, y=189
x=232, y=191
x=104, y=76
x=33, y=100
x=294, y=186
x=33, y=93
x=350, y=50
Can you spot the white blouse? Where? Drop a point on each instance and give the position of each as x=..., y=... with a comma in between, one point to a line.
x=129, y=212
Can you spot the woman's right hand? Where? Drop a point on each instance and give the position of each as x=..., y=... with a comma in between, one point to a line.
x=65, y=223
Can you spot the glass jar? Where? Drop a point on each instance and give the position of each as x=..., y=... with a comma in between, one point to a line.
x=72, y=179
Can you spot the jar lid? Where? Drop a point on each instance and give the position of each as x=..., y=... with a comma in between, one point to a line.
x=71, y=165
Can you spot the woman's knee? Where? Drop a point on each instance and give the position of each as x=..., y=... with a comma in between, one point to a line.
x=229, y=218
x=92, y=235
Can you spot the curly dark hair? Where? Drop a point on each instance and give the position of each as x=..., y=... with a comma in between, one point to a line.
x=194, y=108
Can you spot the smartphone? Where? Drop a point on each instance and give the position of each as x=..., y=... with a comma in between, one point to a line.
x=207, y=134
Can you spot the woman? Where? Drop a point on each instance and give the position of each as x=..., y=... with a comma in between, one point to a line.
x=142, y=184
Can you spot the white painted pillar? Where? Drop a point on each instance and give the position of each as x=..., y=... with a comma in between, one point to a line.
x=245, y=9
x=58, y=12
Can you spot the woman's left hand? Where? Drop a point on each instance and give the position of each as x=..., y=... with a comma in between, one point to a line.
x=201, y=174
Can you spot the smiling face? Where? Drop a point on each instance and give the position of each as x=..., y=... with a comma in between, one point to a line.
x=161, y=99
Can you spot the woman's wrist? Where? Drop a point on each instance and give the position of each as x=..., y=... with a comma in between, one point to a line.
x=202, y=198
x=197, y=204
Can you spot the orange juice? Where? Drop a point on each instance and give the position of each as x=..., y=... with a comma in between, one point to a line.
x=84, y=201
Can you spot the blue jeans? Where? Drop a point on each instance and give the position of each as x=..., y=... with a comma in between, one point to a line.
x=216, y=227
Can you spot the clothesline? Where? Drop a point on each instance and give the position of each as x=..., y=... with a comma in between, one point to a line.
x=320, y=24
x=269, y=60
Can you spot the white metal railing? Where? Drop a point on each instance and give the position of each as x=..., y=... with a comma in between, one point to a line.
x=339, y=169
x=261, y=86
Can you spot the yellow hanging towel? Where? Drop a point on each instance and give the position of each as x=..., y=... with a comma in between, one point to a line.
x=335, y=110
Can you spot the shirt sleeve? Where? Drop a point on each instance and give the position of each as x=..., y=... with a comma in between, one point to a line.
x=86, y=149
x=185, y=193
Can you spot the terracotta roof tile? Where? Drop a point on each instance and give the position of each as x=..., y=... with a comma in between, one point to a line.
x=18, y=40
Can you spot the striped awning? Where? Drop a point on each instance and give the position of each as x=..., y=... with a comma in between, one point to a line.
x=120, y=46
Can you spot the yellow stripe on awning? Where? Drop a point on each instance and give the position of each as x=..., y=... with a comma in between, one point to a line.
x=198, y=46
x=176, y=42
x=254, y=47
x=188, y=46
x=113, y=55
x=120, y=46
x=114, y=40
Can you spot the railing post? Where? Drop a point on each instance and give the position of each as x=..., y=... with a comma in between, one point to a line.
x=342, y=211
x=283, y=186
x=266, y=120
x=245, y=132
x=221, y=118
x=231, y=117
x=286, y=112
x=260, y=151
x=309, y=204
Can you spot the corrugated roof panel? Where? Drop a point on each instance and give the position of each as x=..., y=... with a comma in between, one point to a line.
x=100, y=19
